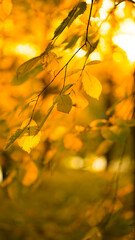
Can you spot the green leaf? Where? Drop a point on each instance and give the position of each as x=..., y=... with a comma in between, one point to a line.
x=16, y=135
x=27, y=66
x=93, y=62
x=92, y=48
x=67, y=87
x=80, y=10
x=73, y=14
x=71, y=43
x=31, y=74
x=64, y=103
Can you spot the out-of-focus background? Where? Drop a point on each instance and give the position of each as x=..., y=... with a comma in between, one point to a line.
x=75, y=179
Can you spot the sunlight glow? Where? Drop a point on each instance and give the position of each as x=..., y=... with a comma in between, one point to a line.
x=81, y=53
x=119, y=12
x=125, y=38
x=26, y=50
x=77, y=162
x=99, y=164
x=95, y=56
x=88, y=1
x=105, y=28
x=106, y=6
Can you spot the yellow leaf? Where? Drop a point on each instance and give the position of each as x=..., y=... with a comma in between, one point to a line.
x=29, y=139
x=31, y=173
x=7, y=6
x=91, y=85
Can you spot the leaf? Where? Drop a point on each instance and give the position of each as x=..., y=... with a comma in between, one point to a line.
x=30, y=137
x=92, y=48
x=32, y=73
x=93, y=62
x=73, y=14
x=67, y=87
x=80, y=10
x=64, y=103
x=71, y=42
x=27, y=66
x=14, y=137
x=91, y=85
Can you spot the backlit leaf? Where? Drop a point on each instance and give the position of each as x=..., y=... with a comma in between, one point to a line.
x=67, y=87
x=91, y=85
x=14, y=137
x=27, y=75
x=30, y=137
x=73, y=14
x=64, y=103
x=27, y=66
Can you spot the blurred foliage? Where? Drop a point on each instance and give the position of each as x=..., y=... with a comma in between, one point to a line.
x=66, y=111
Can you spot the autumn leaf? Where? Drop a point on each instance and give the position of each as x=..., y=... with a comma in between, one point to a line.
x=14, y=137
x=73, y=14
x=64, y=103
x=27, y=66
x=30, y=137
x=91, y=85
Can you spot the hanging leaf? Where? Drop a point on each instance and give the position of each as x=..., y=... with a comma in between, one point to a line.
x=72, y=41
x=93, y=62
x=14, y=137
x=73, y=14
x=91, y=85
x=64, y=103
x=27, y=66
x=67, y=87
x=30, y=137
x=30, y=74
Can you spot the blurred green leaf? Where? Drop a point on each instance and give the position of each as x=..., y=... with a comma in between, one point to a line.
x=16, y=135
x=73, y=14
x=29, y=74
x=27, y=66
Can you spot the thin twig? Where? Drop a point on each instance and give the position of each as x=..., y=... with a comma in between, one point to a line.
x=87, y=30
